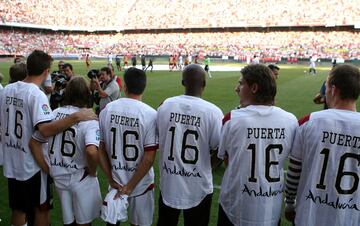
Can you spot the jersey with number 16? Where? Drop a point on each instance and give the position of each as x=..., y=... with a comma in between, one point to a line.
x=128, y=129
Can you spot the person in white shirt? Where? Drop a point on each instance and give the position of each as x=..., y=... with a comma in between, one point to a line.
x=128, y=147
x=25, y=109
x=312, y=66
x=322, y=184
x=73, y=157
x=181, y=63
x=189, y=128
x=17, y=72
x=256, y=60
x=255, y=143
x=110, y=59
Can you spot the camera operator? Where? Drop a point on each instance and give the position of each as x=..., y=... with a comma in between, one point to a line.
x=68, y=71
x=60, y=79
x=106, y=86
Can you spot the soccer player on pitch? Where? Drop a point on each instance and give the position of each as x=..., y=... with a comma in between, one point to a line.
x=128, y=147
x=189, y=128
x=322, y=185
x=73, y=156
x=25, y=109
x=255, y=143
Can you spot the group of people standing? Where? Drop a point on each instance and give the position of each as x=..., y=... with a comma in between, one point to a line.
x=189, y=133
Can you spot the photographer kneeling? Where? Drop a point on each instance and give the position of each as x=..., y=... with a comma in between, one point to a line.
x=106, y=86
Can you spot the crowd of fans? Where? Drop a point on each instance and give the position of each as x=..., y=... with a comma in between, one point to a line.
x=240, y=13
x=153, y=14
x=80, y=13
x=241, y=44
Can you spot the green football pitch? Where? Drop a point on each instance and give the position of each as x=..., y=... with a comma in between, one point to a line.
x=294, y=94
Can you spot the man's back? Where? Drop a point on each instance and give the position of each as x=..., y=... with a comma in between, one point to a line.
x=189, y=128
x=128, y=129
x=257, y=140
x=67, y=149
x=328, y=144
x=24, y=105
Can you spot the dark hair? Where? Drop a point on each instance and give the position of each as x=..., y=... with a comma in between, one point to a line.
x=135, y=80
x=346, y=78
x=273, y=66
x=193, y=79
x=37, y=62
x=17, y=60
x=77, y=92
x=67, y=65
x=17, y=72
x=262, y=76
x=107, y=70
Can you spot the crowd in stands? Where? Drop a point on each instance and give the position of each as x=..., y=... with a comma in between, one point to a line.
x=80, y=13
x=240, y=13
x=153, y=14
x=267, y=44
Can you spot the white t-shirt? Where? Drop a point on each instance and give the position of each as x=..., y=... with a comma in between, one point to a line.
x=180, y=59
x=257, y=140
x=67, y=150
x=189, y=127
x=23, y=106
x=114, y=210
x=312, y=62
x=256, y=60
x=128, y=129
x=328, y=146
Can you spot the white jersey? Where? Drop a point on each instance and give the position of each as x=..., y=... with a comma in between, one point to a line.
x=256, y=60
x=180, y=60
x=128, y=129
x=189, y=127
x=67, y=150
x=23, y=106
x=312, y=62
x=327, y=145
x=257, y=140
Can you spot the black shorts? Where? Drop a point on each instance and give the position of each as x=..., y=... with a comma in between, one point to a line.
x=223, y=219
x=206, y=68
x=196, y=216
x=25, y=195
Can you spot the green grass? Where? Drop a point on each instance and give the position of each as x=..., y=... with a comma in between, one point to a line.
x=295, y=93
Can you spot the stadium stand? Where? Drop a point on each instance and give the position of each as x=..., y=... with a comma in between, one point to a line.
x=235, y=28
x=135, y=14
x=240, y=44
